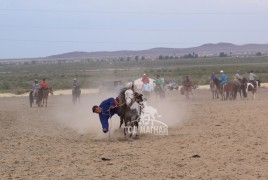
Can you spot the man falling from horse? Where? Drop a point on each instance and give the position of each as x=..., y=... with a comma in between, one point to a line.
x=106, y=110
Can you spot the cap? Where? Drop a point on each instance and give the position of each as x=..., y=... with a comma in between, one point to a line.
x=74, y=79
x=144, y=74
x=221, y=71
x=35, y=80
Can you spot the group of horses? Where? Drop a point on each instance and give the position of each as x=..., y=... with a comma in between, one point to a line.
x=231, y=89
x=40, y=96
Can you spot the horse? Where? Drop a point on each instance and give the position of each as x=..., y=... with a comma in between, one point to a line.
x=228, y=90
x=186, y=90
x=37, y=96
x=45, y=92
x=194, y=84
x=214, y=90
x=249, y=86
x=131, y=107
x=159, y=91
x=76, y=92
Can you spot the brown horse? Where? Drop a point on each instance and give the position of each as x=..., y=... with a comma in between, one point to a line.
x=194, y=85
x=45, y=92
x=227, y=91
x=186, y=90
x=214, y=90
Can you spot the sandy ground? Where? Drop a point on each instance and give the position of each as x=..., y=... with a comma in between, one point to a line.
x=208, y=139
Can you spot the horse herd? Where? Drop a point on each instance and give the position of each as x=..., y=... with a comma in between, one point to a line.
x=132, y=103
x=231, y=89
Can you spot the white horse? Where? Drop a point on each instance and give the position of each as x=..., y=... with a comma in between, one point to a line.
x=131, y=109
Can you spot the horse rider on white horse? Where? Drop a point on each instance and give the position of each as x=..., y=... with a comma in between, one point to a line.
x=251, y=78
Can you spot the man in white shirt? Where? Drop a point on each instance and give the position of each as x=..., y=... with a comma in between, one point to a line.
x=251, y=78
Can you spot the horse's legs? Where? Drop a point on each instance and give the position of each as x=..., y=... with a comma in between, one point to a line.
x=121, y=121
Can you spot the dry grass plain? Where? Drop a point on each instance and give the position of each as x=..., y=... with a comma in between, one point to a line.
x=208, y=139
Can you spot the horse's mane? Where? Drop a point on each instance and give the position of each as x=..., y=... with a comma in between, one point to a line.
x=122, y=100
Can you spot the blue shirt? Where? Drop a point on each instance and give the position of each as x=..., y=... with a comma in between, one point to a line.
x=213, y=77
x=76, y=84
x=35, y=86
x=223, y=79
x=106, y=112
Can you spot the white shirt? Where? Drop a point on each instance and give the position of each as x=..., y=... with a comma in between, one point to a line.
x=252, y=76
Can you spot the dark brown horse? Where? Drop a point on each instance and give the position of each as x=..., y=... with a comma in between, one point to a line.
x=187, y=90
x=37, y=96
x=45, y=92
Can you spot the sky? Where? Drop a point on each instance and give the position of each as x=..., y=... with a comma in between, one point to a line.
x=40, y=28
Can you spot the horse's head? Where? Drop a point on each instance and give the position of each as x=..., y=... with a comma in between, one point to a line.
x=50, y=90
x=258, y=83
x=244, y=80
x=129, y=96
x=138, y=97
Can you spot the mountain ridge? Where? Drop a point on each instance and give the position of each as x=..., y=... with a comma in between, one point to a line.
x=205, y=49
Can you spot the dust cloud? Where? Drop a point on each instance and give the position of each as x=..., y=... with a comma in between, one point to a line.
x=79, y=117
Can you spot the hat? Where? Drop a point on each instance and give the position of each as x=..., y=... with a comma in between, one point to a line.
x=35, y=80
x=221, y=71
x=74, y=79
x=144, y=74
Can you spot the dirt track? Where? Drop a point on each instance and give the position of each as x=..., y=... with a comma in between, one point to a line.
x=208, y=139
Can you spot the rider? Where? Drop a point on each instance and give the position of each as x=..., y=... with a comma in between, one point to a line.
x=223, y=78
x=213, y=77
x=106, y=110
x=252, y=77
x=186, y=82
x=159, y=82
x=238, y=78
x=76, y=85
x=35, y=87
x=146, y=87
x=145, y=79
x=43, y=84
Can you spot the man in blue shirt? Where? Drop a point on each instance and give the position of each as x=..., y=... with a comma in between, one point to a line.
x=223, y=78
x=107, y=109
x=35, y=86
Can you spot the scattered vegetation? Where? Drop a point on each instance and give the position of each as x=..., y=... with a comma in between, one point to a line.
x=18, y=78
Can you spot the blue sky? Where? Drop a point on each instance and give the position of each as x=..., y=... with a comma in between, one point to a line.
x=32, y=28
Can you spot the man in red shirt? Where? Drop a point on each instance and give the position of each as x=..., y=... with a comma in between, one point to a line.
x=44, y=84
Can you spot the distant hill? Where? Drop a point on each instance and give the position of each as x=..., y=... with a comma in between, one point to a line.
x=206, y=49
